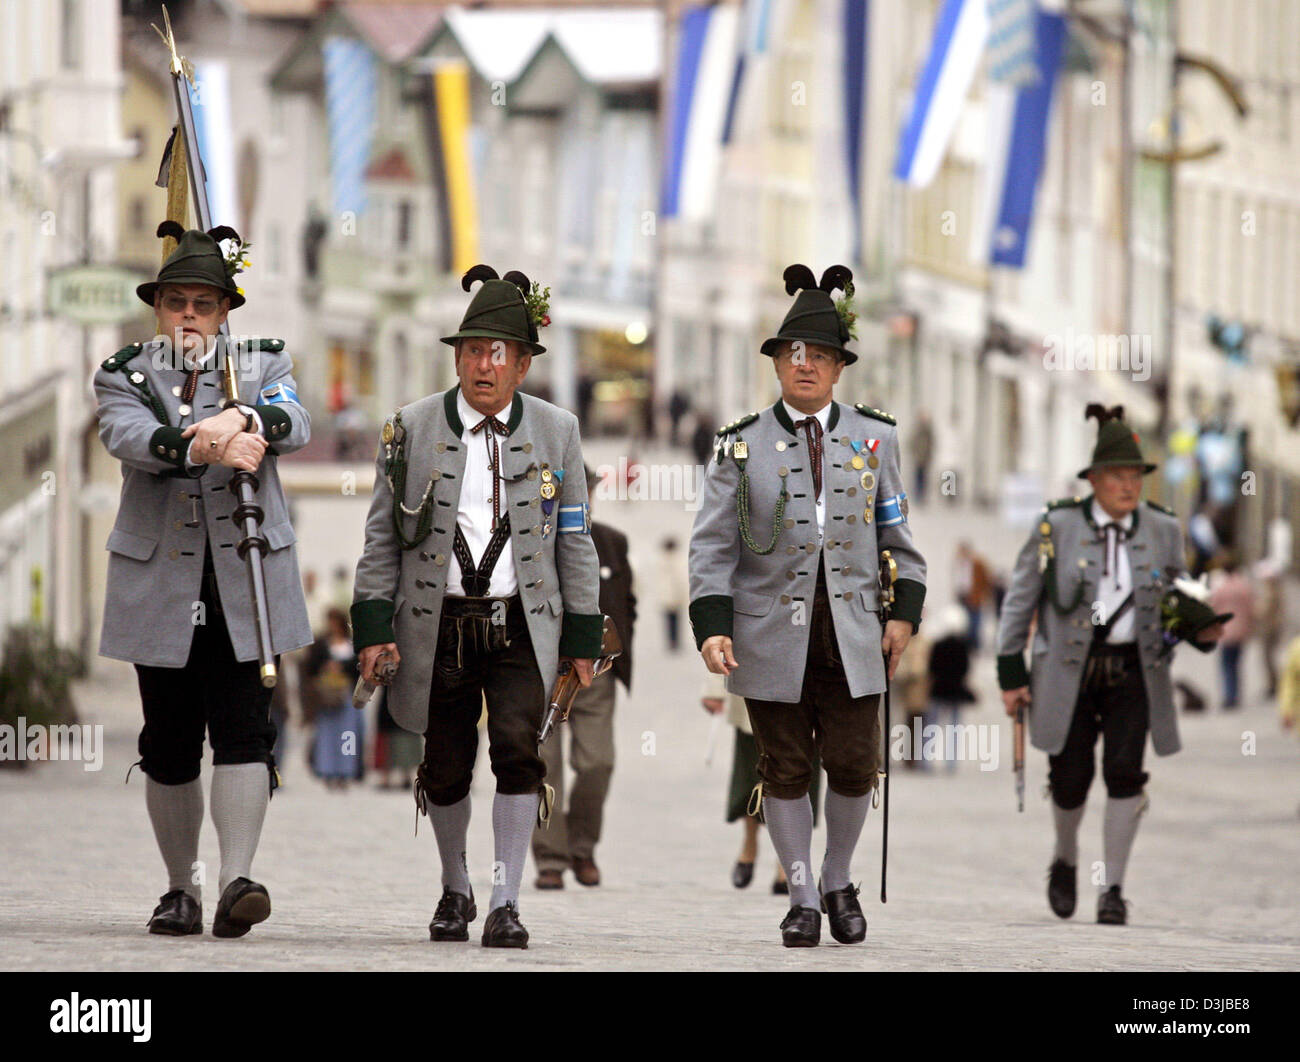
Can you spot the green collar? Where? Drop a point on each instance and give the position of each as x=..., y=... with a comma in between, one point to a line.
x=783, y=418
x=1086, y=505
x=453, y=414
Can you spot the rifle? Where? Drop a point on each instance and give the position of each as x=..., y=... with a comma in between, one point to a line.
x=567, y=684
x=888, y=576
x=1019, y=743
x=247, y=514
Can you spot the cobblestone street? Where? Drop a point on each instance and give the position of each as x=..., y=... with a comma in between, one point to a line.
x=1212, y=880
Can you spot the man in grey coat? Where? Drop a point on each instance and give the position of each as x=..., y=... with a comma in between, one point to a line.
x=178, y=602
x=1095, y=574
x=784, y=558
x=479, y=576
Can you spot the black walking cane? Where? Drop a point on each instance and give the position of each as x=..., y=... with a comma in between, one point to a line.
x=888, y=575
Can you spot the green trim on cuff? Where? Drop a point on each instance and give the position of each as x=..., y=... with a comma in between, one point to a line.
x=580, y=635
x=276, y=423
x=372, y=623
x=909, y=596
x=1012, y=674
x=710, y=615
x=167, y=444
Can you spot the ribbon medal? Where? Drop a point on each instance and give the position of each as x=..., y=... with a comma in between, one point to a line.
x=548, y=491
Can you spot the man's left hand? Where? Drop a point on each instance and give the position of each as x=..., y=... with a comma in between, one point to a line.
x=897, y=634
x=584, y=668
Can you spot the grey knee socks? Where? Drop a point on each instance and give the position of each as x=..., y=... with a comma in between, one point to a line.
x=1117, y=833
x=240, y=793
x=1067, y=832
x=514, y=815
x=176, y=812
x=450, y=830
x=844, y=819
x=790, y=825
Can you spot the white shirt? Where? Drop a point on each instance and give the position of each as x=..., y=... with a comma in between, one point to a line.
x=823, y=415
x=474, y=516
x=1113, y=588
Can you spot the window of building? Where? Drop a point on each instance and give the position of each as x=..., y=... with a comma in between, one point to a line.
x=70, y=35
x=404, y=218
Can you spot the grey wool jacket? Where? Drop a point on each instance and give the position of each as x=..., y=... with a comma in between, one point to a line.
x=401, y=578
x=764, y=601
x=1062, y=639
x=155, y=564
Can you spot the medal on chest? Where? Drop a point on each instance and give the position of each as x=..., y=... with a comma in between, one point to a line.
x=551, y=479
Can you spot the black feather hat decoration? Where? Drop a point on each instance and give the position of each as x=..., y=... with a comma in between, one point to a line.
x=798, y=278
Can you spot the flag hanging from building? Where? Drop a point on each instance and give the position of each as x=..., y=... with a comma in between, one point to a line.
x=959, y=37
x=448, y=130
x=1013, y=41
x=1017, y=148
x=350, y=86
x=701, y=89
x=855, y=19
x=756, y=21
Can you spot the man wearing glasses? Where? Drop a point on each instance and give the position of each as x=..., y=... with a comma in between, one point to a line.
x=784, y=560
x=179, y=604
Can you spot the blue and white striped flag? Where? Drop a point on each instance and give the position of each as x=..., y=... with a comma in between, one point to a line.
x=1017, y=129
x=350, y=104
x=756, y=22
x=210, y=100
x=1012, y=41
x=701, y=88
x=959, y=36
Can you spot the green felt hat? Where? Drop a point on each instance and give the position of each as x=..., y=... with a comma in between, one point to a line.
x=499, y=309
x=1117, y=443
x=813, y=317
x=198, y=259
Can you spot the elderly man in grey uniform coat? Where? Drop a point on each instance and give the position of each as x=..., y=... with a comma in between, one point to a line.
x=479, y=575
x=179, y=605
x=784, y=559
x=1096, y=573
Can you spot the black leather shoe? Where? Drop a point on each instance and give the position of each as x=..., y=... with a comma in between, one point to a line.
x=780, y=887
x=243, y=904
x=452, y=916
x=801, y=928
x=1061, y=888
x=742, y=874
x=503, y=928
x=844, y=913
x=178, y=914
x=1112, y=909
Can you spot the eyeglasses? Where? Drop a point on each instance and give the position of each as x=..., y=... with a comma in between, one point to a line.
x=812, y=357
x=204, y=305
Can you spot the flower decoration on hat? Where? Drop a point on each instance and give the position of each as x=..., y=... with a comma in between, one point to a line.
x=538, y=301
